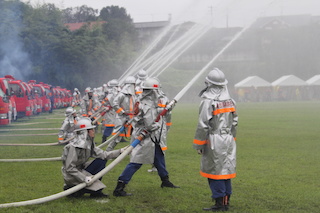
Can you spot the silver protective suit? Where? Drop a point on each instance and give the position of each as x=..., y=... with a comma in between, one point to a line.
x=216, y=132
x=143, y=153
x=75, y=159
x=67, y=128
x=89, y=105
x=109, y=118
x=123, y=104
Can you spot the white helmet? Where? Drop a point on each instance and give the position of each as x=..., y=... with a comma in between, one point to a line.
x=150, y=83
x=70, y=111
x=113, y=83
x=88, y=89
x=76, y=89
x=216, y=77
x=142, y=74
x=130, y=80
x=84, y=123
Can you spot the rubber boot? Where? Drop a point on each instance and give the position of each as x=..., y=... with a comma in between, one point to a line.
x=119, y=190
x=77, y=194
x=218, y=207
x=104, y=138
x=167, y=183
x=227, y=201
x=98, y=194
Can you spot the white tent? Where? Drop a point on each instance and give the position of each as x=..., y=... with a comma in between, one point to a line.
x=252, y=81
x=315, y=80
x=289, y=80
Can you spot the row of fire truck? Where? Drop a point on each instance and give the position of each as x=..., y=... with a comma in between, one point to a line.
x=19, y=99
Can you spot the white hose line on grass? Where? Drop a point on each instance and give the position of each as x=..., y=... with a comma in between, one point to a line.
x=28, y=135
x=73, y=189
x=29, y=129
x=37, y=144
x=45, y=199
x=31, y=159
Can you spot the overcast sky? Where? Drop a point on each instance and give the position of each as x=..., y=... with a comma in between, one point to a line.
x=233, y=12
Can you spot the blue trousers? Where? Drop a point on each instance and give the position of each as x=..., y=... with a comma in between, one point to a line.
x=96, y=166
x=107, y=131
x=220, y=188
x=159, y=163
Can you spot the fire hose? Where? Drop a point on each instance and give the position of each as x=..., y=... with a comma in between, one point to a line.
x=81, y=185
x=38, y=144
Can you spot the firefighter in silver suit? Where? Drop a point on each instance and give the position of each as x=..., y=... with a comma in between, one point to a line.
x=77, y=166
x=76, y=97
x=149, y=151
x=68, y=125
x=89, y=103
x=108, y=121
x=215, y=138
x=123, y=104
x=141, y=77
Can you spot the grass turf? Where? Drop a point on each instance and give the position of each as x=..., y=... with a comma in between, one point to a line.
x=277, y=165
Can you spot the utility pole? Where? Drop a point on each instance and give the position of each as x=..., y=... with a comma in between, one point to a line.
x=227, y=18
x=211, y=13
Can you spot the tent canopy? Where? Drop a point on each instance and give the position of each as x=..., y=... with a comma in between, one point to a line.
x=252, y=81
x=289, y=80
x=315, y=80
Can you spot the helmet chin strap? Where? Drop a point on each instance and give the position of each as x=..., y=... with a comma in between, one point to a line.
x=202, y=91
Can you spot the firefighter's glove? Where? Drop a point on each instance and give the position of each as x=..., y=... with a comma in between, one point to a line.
x=124, y=149
x=88, y=179
x=153, y=127
x=200, y=151
x=144, y=133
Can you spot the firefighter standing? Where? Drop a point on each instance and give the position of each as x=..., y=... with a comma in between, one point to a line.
x=149, y=151
x=123, y=104
x=215, y=138
x=109, y=118
x=76, y=97
x=89, y=103
x=77, y=169
x=141, y=77
x=68, y=125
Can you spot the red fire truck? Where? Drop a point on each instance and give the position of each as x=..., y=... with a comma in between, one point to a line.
x=40, y=91
x=21, y=95
x=8, y=110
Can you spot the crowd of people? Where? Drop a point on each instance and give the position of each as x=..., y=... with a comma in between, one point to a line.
x=131, y=110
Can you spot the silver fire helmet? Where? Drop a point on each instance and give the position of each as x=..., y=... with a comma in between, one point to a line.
x=216, y=77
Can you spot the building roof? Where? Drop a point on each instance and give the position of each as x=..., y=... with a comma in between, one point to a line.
x=155, y=24
x=315, y=80
x=289, y=80
x=77, y=26
x=252, y=81
x=284, y=21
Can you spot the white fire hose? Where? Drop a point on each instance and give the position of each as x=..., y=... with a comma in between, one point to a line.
x=75, y=188
x=38, y=144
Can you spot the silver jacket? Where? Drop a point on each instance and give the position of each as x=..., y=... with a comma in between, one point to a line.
x=215, y=134
x=143, y=153
x=75, y=159
x=67, y=128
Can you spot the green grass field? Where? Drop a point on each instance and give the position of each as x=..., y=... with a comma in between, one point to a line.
x=277, y=165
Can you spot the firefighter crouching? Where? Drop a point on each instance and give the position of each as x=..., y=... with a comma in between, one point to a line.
x=77, y=169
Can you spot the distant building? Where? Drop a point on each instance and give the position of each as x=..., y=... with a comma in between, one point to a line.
x=77, y=26
x=147, y=31
x=278, y=22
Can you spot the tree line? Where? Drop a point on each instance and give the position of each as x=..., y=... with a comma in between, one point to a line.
x=36, y=44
